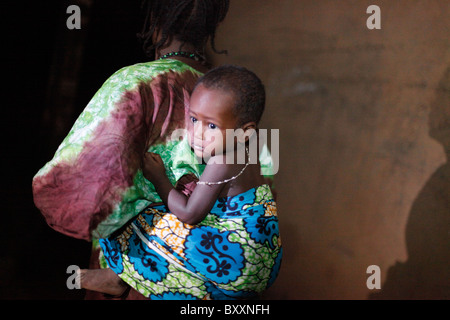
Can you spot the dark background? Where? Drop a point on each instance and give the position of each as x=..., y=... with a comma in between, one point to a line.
x=51, y=74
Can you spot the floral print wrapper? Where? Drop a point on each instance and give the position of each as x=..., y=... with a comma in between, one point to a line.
x=234, y=253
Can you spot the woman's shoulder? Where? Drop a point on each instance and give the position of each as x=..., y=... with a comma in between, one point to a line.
x=151, y=69
x=129, y=77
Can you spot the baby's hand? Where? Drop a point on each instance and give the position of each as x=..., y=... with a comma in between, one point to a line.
x=153, y=167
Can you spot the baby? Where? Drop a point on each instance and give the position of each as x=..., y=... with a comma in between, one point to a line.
x=221, y=241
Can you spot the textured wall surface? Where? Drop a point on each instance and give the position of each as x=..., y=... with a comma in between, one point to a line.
x=364, y=141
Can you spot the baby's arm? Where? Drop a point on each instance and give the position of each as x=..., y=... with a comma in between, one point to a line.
x=193, y=209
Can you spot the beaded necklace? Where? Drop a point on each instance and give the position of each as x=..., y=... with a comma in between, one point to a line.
x=184, y=54
x=230, y=179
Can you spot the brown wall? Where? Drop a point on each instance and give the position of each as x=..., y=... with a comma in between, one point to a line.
x=364, y=124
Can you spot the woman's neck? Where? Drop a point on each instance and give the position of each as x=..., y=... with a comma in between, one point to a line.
x=176, y=46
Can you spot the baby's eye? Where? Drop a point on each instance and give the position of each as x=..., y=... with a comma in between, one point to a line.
x=194, y=120
x=212, y=126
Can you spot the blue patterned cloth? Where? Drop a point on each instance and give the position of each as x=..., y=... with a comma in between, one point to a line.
x=234, y=253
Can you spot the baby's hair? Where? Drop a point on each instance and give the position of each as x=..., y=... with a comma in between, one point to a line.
x=246, y=87
x=189, y=21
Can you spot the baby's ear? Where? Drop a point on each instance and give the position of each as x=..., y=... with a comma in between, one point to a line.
x=249, y=129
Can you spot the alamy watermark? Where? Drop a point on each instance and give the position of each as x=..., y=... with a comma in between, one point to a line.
x=212, y=142
x=73, y=281
x=374, y=20
x=74, y=20
x=374, y=280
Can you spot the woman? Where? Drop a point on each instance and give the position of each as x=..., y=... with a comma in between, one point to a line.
x=95, y=174
x=94, y=184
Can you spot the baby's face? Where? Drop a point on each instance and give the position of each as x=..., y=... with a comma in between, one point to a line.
x=210, y=115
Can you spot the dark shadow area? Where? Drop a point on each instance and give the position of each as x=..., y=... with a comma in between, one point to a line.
x=39, y=61
x=426, y=273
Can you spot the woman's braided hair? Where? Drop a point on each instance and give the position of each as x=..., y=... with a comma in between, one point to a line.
x=188, y=21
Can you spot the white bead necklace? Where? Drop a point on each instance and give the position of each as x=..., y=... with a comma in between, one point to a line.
x=230, y=179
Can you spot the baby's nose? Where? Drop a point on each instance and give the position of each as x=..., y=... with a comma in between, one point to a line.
x=198, y=131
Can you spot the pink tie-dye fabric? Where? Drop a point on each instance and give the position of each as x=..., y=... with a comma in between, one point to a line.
x=79, y=189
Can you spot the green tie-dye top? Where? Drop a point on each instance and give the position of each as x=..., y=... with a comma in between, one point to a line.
x=94, y=185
